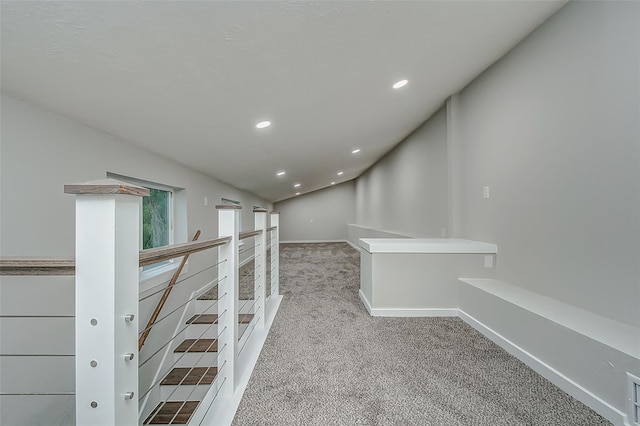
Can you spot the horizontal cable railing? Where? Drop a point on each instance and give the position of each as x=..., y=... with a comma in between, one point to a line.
x=232, y=316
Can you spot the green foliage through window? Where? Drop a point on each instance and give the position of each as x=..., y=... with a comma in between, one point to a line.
x=155, y=219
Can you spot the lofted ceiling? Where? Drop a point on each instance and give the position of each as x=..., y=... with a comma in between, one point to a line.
x=190, y=79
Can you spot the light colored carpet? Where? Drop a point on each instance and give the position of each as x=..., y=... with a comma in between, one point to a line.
x=327, y=362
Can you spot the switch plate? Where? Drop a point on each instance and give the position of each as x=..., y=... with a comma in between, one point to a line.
x=485, y=192
x=206, y=201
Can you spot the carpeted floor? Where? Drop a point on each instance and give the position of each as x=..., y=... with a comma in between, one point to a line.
x=327, y=362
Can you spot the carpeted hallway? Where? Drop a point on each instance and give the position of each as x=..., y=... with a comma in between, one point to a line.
x=327, y=362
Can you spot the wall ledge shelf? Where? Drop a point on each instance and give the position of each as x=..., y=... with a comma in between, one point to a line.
x=622, y=337
x=427, y=245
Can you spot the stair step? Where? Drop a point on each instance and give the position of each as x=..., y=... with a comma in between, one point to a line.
x=190, y=376
x=198, y=345
x=212, y=318
x=164, y=412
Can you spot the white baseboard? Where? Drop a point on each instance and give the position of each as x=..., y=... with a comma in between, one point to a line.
x=353, y=245
x=407, y=312
x=583, y=395
x=365, y=302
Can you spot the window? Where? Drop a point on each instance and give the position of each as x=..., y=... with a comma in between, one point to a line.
x=157, y=229
x=156, y=218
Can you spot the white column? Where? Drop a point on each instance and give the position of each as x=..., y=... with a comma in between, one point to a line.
x=228, y=226
x=107, y=259
x=275, y=254
x=260, y=274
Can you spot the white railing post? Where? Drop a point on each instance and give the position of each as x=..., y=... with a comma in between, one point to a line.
x=275, y=254
x=107, y=259
x=228, y=226
x=260, y=263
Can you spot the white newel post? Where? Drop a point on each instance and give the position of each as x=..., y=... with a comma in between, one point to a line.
x=107, y=259
x=275, y=254
x=260, y=274
x=228, y=226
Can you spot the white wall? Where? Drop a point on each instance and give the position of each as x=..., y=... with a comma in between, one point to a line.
x=406, y=191
x=318, y=216
x=552, y=129
x=39, y=153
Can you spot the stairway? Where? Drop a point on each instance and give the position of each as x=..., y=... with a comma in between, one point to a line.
x=196, y=360
x=196, y=357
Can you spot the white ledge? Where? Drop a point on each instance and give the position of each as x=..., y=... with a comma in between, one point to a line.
x=622, y=337
x=427, y=245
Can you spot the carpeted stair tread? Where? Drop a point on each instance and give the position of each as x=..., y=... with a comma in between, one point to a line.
x=165, y=412
x=190, y=376
x=198, y=345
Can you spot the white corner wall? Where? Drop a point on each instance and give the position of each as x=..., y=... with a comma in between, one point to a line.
x=405, y=193
x=552, y=129
x=318, y=216
x=40, y=152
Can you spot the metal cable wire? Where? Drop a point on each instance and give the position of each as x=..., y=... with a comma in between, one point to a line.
x=194, y=387
x=37, y=316
x=250, y=333
x=163, y=284
x=184, y=402
x=198, y=294
x=178, y=334
x=174, y=364
x=214, y=397
x=37, y=393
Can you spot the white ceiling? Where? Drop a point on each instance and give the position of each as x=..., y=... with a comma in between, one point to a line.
x=189, y=80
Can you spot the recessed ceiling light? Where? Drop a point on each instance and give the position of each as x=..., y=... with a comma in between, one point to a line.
x=297, y=185
x=297, y=193
x=281, y=173
x=399, y=84
x=340, y=173
x=263, y=124
x=355, y=151
x=333, y=183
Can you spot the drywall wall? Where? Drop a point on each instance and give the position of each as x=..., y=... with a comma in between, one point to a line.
x=552, y=129
x=40, y=152
x=318, y=216
x=405, y=193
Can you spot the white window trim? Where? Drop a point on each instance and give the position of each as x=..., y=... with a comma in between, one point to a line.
x=153, y=275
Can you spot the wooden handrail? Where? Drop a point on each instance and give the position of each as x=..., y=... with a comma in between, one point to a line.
x=37, y=266
x=247, y=234
x=67, y=266
x=165, y=296
x=273, y=228
x=160, y=254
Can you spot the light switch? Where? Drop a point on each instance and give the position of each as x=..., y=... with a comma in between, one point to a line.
x=485, y=192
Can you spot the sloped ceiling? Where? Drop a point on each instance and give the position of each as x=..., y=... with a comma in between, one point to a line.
x=189, y=80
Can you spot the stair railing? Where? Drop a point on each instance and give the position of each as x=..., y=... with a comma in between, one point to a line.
x=107, y=335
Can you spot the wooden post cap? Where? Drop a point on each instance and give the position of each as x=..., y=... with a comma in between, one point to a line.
x=228, y=207
x=275, y=212
x=106, y=186
x=259, y=210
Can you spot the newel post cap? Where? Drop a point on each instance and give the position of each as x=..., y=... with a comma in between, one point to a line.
x=228, y=207
x=106, y=186
x=259, y=210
